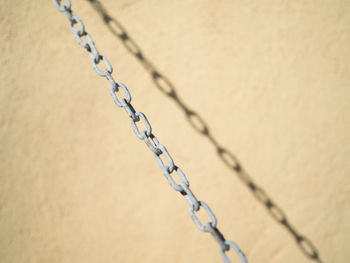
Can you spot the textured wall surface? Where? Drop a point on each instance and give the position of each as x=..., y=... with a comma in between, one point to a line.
x=271, y=80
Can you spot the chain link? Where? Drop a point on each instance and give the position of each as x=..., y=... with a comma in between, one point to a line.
x=166, y=168
x=76, y=20
x=192, y=200
x=146, y=135
x=210, y=213
x=62, y=8
x=152, y=144
x=218, y=236
x=232, y=245
x=178, y=187
x=142, y=134
x=115, y=88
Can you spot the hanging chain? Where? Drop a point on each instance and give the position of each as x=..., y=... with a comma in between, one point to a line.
x=78, y=29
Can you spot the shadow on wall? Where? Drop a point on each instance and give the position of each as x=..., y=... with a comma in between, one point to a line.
x=196, y=121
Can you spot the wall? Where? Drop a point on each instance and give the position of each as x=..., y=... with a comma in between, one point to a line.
x=269, y=79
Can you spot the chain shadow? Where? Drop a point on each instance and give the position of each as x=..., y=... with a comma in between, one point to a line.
x=197, y=122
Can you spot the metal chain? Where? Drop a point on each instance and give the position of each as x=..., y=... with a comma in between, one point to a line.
x=168, y=166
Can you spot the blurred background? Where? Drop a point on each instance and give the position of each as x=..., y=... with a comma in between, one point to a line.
x=251, y=99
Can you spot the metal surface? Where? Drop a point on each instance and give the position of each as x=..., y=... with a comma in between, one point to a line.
x=158, y=149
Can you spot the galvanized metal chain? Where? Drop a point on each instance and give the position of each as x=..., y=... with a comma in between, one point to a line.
x=168, y=166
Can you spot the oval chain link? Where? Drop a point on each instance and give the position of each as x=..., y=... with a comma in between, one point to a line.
x=60, y=7
x=115, y=88
x=152, y=142
x=210, y=213
x=143, y=134
x=178, y=187
x=146, y=135
x=166, y=168
x=236, y=249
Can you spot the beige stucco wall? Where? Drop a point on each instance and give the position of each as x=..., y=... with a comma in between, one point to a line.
x=270, y=79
